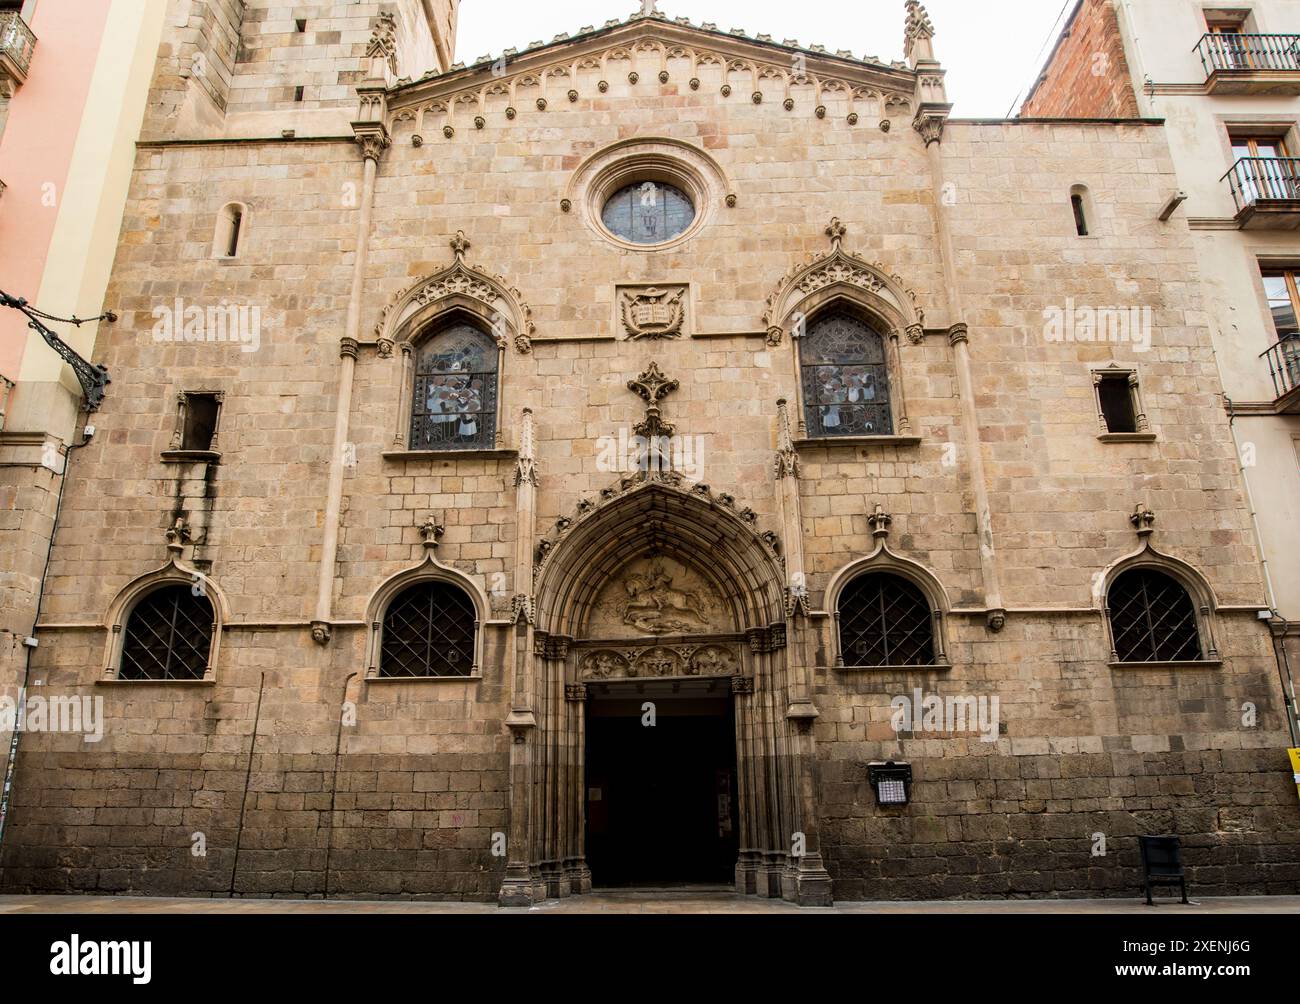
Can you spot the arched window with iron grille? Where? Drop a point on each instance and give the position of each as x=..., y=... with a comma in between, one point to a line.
x=1152, y=618
x=168, y=636
x=845, y=378
x=454, y=405
x=429, y=630
x=885, y=620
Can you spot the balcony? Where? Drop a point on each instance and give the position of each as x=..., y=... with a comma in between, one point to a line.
x=1250, y=64
x=1284, y=367
x=1266, y=191
x=16, y=45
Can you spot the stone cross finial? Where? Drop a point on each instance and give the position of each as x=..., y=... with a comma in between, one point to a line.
x=880, y=521
x=459, y=245
x=432, y=532
x=836, y=230
x=649, y=8
x=1143, y=520
x=652, y=385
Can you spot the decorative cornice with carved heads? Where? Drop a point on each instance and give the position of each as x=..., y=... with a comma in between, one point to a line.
x=647, y=51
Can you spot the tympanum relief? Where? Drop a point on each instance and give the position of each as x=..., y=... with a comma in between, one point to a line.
x=656, y=596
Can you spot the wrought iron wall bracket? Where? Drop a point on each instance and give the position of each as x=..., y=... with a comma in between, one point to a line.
x=93, y=377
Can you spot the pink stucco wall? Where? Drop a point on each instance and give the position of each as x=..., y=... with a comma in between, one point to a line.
x=36, y=148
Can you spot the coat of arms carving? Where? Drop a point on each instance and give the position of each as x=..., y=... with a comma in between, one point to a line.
x=653, y=312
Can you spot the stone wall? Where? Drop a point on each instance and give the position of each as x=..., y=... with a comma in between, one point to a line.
x=422, y=774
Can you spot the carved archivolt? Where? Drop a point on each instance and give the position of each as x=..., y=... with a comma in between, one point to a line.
x=639, y=662
x=595, y=571
x=721, y=502
x=499, y=305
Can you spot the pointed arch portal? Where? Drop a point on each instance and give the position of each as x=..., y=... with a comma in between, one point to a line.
x=661, y=676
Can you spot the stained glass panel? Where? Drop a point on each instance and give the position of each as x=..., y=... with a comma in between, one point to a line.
x=845, y=379
x=648, y=213
x=455, y=400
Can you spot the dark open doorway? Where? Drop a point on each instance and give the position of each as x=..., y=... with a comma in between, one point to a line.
x=661, y=799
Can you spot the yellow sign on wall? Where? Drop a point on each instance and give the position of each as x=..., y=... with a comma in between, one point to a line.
x=1295, y=767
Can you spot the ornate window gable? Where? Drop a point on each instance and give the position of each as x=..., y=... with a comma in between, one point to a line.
x=884, y=562
x=174, y=574
x=499, y=306
x=460, y=295
x=1199, y=594
x=842, y=274
x=391, y=591
x=838, y=282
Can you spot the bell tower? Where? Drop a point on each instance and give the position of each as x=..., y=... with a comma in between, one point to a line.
x=262, y=67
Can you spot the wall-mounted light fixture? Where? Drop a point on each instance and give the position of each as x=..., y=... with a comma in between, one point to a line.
x=891, y=781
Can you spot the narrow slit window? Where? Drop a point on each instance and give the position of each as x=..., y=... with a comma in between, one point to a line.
x=236, y=222
x=230, y=231
x=301, y=25
x=297, y=93
x=1080, y=215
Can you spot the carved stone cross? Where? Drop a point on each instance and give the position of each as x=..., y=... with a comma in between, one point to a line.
x=652, y=385
x=649, y=8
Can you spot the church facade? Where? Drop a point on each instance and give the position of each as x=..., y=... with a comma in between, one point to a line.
x=660, y=455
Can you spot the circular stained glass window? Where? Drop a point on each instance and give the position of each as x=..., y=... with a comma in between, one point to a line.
x=648, y=212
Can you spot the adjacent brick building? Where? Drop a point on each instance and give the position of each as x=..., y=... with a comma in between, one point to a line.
x=1087, y=73
x=471, y=640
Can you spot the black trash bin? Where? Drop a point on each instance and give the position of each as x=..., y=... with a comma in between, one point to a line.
x=1162, y=864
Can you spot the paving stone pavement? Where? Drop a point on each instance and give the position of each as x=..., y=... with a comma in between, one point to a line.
x=694, y=900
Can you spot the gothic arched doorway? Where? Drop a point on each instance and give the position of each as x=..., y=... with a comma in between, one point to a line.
x=660, y=592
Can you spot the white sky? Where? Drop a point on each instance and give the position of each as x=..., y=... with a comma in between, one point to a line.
x=991, y=50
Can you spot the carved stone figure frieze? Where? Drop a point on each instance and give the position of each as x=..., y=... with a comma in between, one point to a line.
x=659, y=662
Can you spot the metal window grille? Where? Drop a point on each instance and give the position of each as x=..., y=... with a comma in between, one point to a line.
x=1152, y=618
x=845, y=378
x=428, y=631
x=454, y=406
x=885, y=621
x=168, y=636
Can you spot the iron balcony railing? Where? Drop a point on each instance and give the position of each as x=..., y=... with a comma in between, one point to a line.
x=1262, y=179
x=1284, y=365
x=1249, y=52
x=16, y=40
